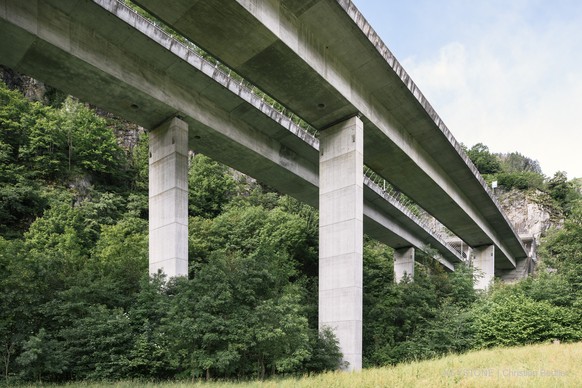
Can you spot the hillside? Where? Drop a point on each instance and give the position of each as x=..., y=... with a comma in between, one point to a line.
x=77, y=304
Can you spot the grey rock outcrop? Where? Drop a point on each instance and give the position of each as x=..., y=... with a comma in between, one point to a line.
x=532, y=214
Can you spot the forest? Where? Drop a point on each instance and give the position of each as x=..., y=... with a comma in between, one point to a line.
x=76, y=301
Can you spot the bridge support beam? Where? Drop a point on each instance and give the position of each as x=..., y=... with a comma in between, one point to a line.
x=403, y=263
x=341, y=201
x=168, y=198
x=484, y=266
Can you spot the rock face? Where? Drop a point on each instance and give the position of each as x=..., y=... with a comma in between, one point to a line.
x=32, y=89
x=127, y=133
x=531, y=214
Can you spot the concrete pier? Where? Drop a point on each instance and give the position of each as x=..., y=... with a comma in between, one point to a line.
x=403, y=263
x=168, y=198
x=341, y=236
x=484, y=266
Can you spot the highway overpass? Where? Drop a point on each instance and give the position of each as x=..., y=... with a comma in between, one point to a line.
x=323, y=60
x=339, y=77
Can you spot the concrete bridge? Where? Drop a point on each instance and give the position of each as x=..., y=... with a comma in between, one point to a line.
x=319, y=59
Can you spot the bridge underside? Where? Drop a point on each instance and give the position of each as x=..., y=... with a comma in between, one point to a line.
x=329, y=71
x=105, y=54
x=147, y=78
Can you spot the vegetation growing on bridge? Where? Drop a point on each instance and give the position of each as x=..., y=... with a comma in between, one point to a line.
x=76, y=302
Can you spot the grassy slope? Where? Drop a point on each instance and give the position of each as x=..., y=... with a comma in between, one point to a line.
x=545, y=365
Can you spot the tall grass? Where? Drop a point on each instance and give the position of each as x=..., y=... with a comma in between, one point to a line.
x=547, y=365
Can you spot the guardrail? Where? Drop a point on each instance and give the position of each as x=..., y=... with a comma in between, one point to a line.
x=225, y=70
x=418, y=214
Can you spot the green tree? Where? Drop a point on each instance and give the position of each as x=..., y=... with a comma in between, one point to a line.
x=563, y=191
x=15, y=118
x=58, y=247
x=483, y=159
x=509, y=318
x=562, y=251
x=70, y=141
x=450, y=330
x=20, y=199
x=96, y=345
x=20, y=204
x=239, y=315
x=523, y=180
x=120, y=258
x=418, y=318
x=325, y=352
x=45, y=152
x=19, y=300
x=90, y=143
x=210, y=187
x=150, y=356
x=516, y=162
x=41, y=355
x=139, y=162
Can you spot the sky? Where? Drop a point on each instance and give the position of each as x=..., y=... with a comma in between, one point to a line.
x=505, y=73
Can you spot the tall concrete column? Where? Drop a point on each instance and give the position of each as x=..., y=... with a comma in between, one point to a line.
x=341, y=204
x=403, y=263
x=168, y=198
x=484, y=266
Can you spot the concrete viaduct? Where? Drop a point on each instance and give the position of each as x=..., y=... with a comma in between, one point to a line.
x=318, y=58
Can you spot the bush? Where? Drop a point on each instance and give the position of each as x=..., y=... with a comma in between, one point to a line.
x=485, y=161
x=522, y=180
x=325, y=353
x=509, y=318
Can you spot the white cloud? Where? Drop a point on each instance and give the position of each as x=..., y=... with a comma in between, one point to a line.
x=512, y=87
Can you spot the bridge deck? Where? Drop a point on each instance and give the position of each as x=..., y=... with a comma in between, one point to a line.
x=322, y=59
x=134, y=70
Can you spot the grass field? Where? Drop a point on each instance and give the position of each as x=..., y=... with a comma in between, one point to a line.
x=549, y=365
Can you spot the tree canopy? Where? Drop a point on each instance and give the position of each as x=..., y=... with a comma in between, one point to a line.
x=76, y=301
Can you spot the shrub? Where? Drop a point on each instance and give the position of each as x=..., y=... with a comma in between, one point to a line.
x=508, y=318
x=522, y=180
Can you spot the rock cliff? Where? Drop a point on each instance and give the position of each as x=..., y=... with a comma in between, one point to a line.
x=532, y=214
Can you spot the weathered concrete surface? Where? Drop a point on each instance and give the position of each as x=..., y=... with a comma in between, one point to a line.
x=403, y=263
x=112, y=58
x=82, y=49
x=168, y=199
x=341, y=238
x=328, y=71
x=484, y=266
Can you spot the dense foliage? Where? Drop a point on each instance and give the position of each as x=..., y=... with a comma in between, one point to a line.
x=516, y=171
x=76, y=302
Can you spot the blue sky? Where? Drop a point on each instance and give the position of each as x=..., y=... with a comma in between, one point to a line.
x=506, y=73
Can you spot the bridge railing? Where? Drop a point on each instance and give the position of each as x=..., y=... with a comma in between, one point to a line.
x=418, y=214
x=207, y=59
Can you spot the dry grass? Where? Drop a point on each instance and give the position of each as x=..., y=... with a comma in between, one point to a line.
x=547, y=365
